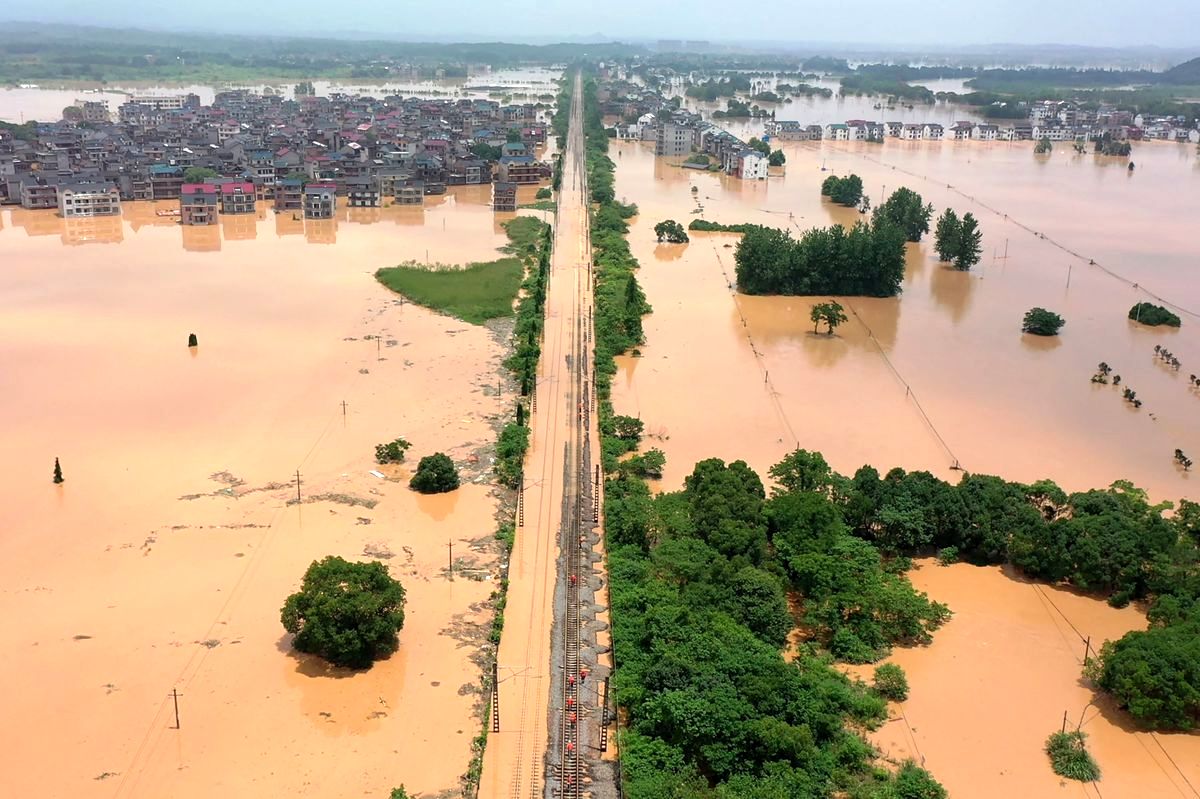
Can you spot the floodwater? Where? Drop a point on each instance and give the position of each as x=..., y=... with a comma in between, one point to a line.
x=838, y=108
x=47, y=102
x=995, y=682
x=161, y=563
x=943, y=374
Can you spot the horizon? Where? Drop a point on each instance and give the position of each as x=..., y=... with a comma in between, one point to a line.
x=1168, y=26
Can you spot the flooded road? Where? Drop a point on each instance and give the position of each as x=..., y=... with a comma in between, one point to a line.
x=942, y=373
x=161, y=563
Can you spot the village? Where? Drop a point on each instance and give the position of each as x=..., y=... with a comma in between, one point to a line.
x=648, y=115
x=305, y=155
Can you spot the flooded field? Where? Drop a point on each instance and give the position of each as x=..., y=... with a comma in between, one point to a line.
x=943, y=375
x=162, y=562
x=995, y=682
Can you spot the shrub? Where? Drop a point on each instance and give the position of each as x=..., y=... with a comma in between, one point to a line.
x=347, y=613
x=1150, y=314
x=195, y=342
x=435, y=475
x=1041, y=322
x=543, y=194
x=947, y=555
x=1069, y=758
x=890, y=682
x=392, y=452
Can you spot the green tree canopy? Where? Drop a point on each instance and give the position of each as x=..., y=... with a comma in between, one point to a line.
x=347, y=613
x=198, y=174
x=671, y=231
x=904, y=209
x=435, y=475
x=845, y=191
x=830, y=313
x=1041, y=322
x=776, y=158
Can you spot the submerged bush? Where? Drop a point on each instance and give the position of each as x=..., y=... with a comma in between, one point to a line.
x=1069, y=758
x=1149, y=314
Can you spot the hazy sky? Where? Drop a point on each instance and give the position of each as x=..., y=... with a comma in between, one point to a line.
x=1092, y=22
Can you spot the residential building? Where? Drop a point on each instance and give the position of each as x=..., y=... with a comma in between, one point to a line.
x=237, y=197
x=38, y=192
x=519, y=169
x=504, y=196
x=88, y=199
x=362, y=193
x=320, y=200
x=934, y=131
x=410, y=192
x=198, y=204
x=289, y=195
x=674, y=139
x=752, y=165
x=985, y=132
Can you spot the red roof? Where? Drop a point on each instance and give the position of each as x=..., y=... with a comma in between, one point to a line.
x=198, y=188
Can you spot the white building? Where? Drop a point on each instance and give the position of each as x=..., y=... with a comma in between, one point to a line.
x=837, y=131
x=754, y=165
x=912, y=132
x=983, y=132
x=933, y=130
x=88, y=199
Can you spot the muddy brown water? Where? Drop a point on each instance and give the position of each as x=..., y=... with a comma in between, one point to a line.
x=164, y=558
x=996, y=681
x=939, y=374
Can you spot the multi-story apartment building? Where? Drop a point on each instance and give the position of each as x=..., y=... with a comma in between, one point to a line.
x=320, y=200
x=674, y=139
x=88, y=199
x=198, y=204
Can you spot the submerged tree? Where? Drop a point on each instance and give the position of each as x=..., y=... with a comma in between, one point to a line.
x=904, y=209
x=969, y=238
x=1041, y=322
x=1043, y=146
x=671, y=231
x=192, y=340
x=435, y=475
x=830, y=313
x=945, y=236
x=347, y=613
x=58, y=478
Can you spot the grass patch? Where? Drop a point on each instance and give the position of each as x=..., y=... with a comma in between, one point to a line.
x=1070, y=759
x=474, y=293
x=540, y=205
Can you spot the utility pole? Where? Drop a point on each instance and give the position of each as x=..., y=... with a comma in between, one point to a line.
x=450, y=544
x=298, y=486
x=1069, y=268
x=343, y=409
x=175, y=697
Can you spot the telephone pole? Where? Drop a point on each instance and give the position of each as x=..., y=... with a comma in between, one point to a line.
x=175, y=697
x=298, y=486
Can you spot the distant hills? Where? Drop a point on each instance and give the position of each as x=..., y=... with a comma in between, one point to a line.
x=1186, y=73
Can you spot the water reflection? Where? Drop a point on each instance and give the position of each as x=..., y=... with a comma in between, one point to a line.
x=444, y=212
x=951, y=289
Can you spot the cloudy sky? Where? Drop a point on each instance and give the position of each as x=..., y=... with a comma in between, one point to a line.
x=1170, y=23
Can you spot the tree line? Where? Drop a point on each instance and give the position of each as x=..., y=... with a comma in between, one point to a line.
x=866, y=260
x=699, y=612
